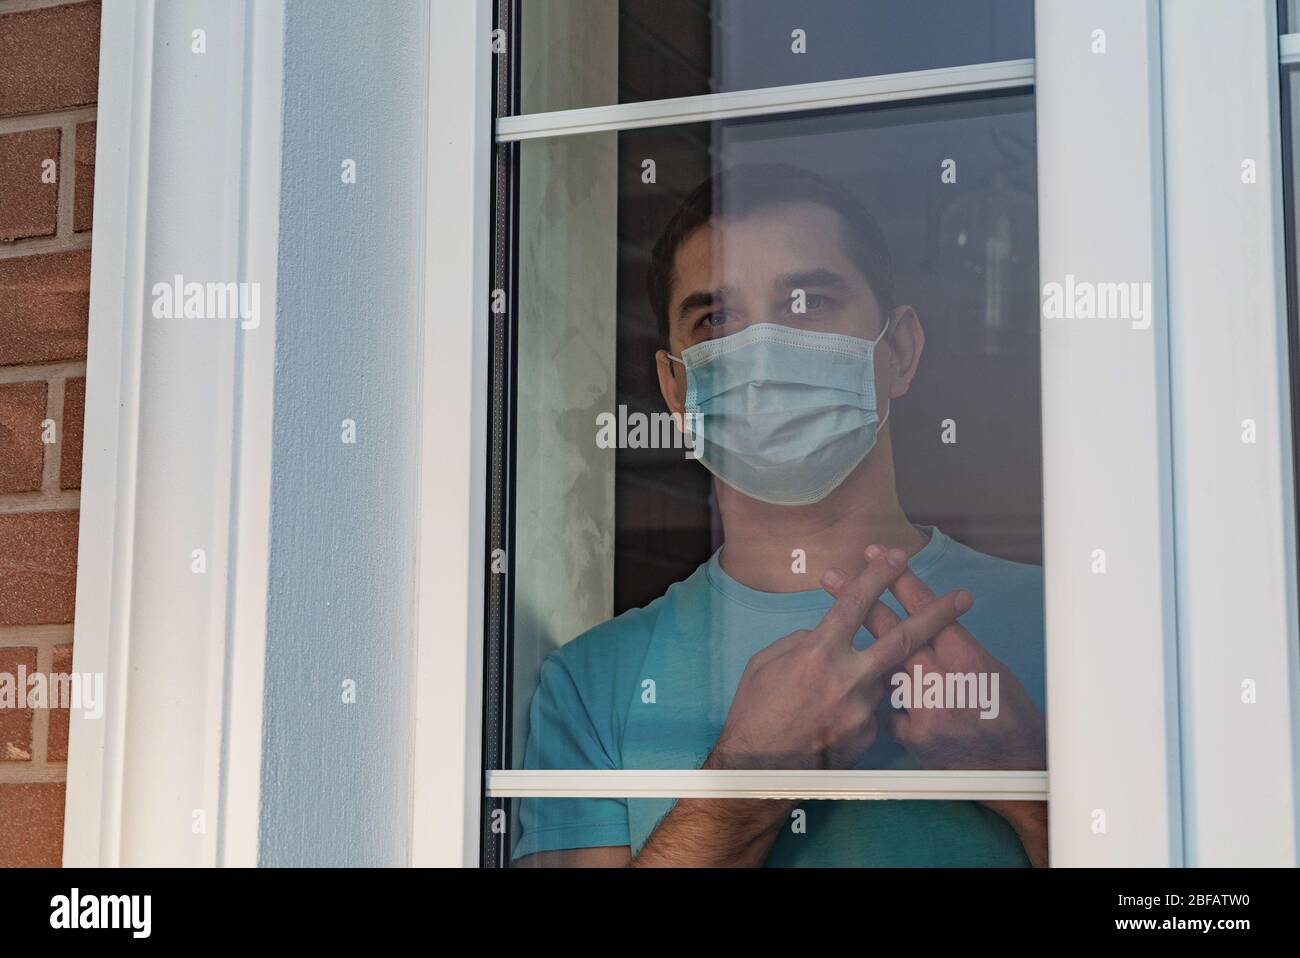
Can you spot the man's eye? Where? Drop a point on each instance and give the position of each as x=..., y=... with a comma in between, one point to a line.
x=712, y=320
x=811, y=301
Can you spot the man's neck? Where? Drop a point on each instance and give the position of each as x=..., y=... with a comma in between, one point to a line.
x=761, y=538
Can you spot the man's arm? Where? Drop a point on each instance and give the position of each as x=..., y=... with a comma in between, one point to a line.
x=1029, y=819
x=696, y=833
x=606, y=856
x=716, y=832
x=740, y=833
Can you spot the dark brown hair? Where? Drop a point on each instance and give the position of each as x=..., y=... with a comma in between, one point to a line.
x=743, y=190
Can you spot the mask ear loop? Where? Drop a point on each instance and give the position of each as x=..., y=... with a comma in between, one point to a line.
x=682, y=417
x=874, y=343
x=883, y=331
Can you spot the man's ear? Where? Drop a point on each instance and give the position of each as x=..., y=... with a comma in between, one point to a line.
x=672, y=382
x=906, y=341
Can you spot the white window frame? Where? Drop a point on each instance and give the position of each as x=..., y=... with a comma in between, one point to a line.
x=1234, y=502
x=1156, y=745
x=1112, y=732
x=447, y=801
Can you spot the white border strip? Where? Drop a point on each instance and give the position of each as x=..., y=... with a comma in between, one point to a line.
x=136, y=775
x=1237, y=620
x=254, y=397
x=1112, y=679
x=447, y=799
x=834, y=784
x=96, y=749
x=919, y=84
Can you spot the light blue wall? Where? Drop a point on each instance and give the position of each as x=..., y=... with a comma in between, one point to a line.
x=336, y=777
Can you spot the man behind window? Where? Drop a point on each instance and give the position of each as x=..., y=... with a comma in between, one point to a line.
x=774, y=294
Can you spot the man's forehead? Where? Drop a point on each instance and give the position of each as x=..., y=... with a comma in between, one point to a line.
x=785, y=237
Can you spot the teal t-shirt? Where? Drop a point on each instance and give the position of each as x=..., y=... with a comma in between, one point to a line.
x=589, y=712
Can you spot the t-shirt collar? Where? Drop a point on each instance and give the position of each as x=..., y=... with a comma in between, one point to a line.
x=810, y=599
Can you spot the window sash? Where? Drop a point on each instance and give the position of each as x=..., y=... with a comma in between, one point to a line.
x=893, y=88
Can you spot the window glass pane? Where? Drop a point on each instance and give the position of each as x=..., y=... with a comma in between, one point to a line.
x=583, y=53
x=1288, y=21
x=650, y=566
x=657, y=568
x=569, y=832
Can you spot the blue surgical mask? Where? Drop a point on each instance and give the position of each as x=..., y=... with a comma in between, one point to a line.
x=783, y=414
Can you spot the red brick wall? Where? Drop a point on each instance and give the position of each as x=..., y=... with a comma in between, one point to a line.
x=49, y=74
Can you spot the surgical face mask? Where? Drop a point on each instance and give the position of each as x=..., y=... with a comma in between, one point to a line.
x=782, y=414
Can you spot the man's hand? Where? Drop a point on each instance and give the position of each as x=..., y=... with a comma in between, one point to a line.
x=808, y=700
x=959, y=737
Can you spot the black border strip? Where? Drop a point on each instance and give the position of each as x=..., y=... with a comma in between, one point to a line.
x=502, y=390
x=1287, y=105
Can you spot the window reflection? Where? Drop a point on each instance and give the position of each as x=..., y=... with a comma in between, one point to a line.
x=585, y=53
x=766, y=366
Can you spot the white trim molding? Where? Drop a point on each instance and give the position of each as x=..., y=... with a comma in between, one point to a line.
x=171, y=585
x=1112, y=686
x=447, y=796
x=1234, y=487
x=253, y=393
x=740, y=783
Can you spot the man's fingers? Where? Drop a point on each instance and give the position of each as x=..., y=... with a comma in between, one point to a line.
x=896, y=725
x=880, y=618
x=858, y=595
x=912, y=594
x=894, y=647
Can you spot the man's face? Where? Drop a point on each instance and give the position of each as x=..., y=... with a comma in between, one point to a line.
x=785, y=264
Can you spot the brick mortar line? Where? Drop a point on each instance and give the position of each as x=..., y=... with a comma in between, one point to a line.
x=43, y=372
x=24, y=6
x=40, y=245
x=20, y=503
x=40, y=736
x=67, y=179
x=35, y=636
x=49, y=120
x=65, y=235
x=33, y=773
x=52, y=464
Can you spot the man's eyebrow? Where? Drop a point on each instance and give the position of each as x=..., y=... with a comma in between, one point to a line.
x=821, y=278
x=700, y=298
